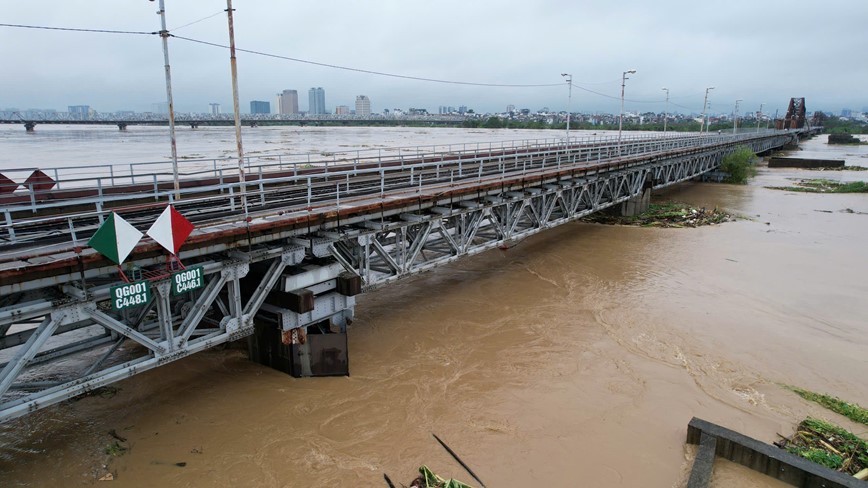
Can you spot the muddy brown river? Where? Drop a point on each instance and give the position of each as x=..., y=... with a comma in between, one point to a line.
x=573, y=359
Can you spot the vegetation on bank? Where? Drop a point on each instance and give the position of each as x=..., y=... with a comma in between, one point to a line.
x=850, y=410
x=821, y=185
x=827, y=444
x=838, y=125
x=739, y=165
x=672, y=214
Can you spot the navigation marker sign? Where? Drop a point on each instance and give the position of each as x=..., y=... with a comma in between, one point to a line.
x=170, y=230
x=115, y=238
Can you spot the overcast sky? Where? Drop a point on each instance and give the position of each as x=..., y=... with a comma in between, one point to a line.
x=761, y=51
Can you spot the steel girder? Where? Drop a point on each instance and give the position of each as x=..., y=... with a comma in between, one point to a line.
x=70, y=320
x=384, y=251
x=110, y=346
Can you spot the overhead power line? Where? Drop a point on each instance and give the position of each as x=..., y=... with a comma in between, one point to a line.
x=367, y=71
x=101, y=31
x=197, y=21
x=333, y=66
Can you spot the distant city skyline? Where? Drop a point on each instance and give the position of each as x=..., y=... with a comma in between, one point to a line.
x=759, y=52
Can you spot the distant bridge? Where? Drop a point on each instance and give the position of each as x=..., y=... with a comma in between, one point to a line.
x=197, y=121
x=281, y=255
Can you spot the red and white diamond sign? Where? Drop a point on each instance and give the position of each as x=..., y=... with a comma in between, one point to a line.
x=170, y=230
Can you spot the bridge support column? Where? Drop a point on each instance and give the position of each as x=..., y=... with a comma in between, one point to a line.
x=29, y=126
x=637, y=204
x=122, y=126
x=303, y=331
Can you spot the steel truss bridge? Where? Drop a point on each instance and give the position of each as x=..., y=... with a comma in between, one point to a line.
x=288, y=248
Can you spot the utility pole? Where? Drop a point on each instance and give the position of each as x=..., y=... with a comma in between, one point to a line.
x=735, y=117
x=705, y=106
x=569, y=78
x=242, y=178
x=759, y=115
x=666, y=112
x=621, y=115
x=164, y=34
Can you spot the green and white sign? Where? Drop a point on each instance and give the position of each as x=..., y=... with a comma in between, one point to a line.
x=187, y=280
x=115, y=238
x=130, y=295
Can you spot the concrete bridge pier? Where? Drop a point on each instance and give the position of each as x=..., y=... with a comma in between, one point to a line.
x=122, y=126
x=29, y=126
x=639, y=203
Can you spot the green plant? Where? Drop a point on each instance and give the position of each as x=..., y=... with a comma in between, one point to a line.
x=850, y=410
x=819, y=456
x=115, y=449
x=739, y=164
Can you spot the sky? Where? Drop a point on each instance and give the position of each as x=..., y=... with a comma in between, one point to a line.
x=762, y=52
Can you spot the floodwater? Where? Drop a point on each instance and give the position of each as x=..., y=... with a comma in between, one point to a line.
x=575, y=358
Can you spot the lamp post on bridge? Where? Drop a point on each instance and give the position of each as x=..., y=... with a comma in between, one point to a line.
x=704, y=107
x=759, y=115
x=621, y=115
x=735, y=117
x=569, y=79
x=666, y=110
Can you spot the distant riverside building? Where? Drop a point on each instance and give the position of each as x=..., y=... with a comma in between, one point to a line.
x=316, y=101
x=287, y=102
x=215, y=108
x=80, y=112
x=260, y=107
x=342, y=110
x=160, y=107
x=510, y=108
x=363, y=105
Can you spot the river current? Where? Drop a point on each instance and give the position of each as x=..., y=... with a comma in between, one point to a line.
x=575, y=358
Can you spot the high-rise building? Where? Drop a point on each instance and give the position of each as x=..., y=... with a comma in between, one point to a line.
x=260, y=107
x=342, y=110
x=215, y=108
x=363, y=105
x=287, y=102
x=80, y=112
x=316, y=101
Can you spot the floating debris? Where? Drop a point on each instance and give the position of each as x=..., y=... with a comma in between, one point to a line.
x=427, y=479
x=675, y=215
x=821, y=185
x=829, y=445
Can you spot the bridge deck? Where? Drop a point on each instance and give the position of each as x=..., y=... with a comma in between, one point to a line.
x=298, y=232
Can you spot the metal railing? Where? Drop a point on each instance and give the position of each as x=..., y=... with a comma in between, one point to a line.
x=291, y=186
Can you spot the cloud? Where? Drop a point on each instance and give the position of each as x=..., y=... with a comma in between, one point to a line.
x=756, y=51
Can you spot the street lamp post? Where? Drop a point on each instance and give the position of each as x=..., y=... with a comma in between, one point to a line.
x=704, y=106
x=759, y=115
x=735, y=117
x=164, y=34
x=569, y=78
x=666, y=111
x=621, y=115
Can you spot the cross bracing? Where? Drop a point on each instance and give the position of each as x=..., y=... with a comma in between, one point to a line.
x=59, y=336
